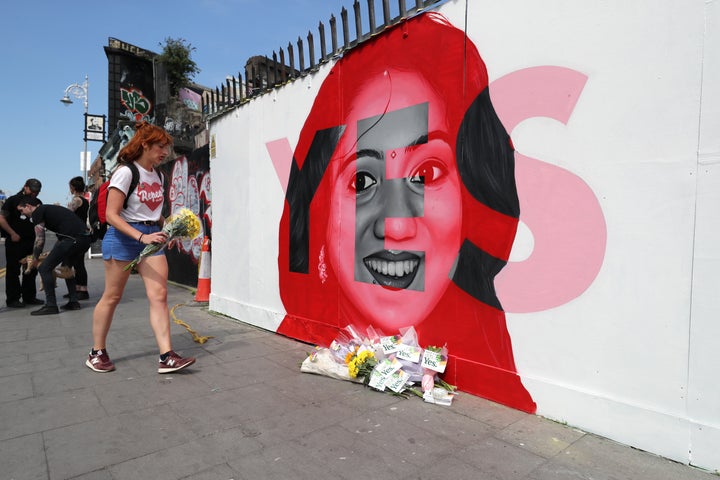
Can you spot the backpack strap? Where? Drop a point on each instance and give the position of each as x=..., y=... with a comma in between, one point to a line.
x=133, y=182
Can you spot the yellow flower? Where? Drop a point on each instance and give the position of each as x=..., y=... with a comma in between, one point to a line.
x=183, y=223
x=361, y=364
x=353, y=369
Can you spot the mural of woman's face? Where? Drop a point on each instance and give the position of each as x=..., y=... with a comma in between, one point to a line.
x=395, y=218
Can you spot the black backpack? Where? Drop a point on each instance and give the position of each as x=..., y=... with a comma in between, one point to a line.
x=98, y=204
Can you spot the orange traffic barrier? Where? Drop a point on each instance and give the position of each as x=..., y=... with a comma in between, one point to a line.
x=203, y=288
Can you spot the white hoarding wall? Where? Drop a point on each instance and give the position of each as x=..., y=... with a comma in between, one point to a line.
x=611, y=288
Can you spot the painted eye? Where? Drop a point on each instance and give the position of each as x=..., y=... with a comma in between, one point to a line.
x=362, y=182
x=428, y=173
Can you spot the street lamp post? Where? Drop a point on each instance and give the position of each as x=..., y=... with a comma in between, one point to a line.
x=80, y=91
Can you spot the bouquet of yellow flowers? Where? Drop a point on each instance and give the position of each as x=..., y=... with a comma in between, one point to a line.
x=183, y=224
x=361, y=364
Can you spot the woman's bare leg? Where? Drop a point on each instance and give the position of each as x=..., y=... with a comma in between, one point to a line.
x=115, y=281
x=154, y=272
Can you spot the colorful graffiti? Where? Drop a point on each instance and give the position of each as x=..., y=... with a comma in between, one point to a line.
x=189, y=187
x=401, y=203
x=138, y=106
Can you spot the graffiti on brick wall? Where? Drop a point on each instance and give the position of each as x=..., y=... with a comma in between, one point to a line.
x=137, y=105
x=189, y=187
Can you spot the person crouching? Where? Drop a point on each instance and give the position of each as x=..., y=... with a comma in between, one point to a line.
x=73, y=241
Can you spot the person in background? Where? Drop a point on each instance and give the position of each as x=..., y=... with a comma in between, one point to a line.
x=130, y=230
x=19, y=236
x=73, y=241
x=80, y=205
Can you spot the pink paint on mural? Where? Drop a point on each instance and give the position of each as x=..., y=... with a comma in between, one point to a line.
x=560, y=209
x=281, y=153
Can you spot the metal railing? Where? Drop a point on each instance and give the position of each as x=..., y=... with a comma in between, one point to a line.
x=262, y=74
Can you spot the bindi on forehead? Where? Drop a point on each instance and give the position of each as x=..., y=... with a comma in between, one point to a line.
x=390, y=134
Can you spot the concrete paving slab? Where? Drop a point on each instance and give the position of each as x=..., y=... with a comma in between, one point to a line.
x=190, y=458
x=84, y=447
x=101, y=474
x=47, y=344
x=398, y=436
x=593, y=457
x=441, y=421
x=297, y=423
x=539, y=435
x=285, y=461
x=15, y=387
x=500, y=460
x=44, y=413
x=23, y=458
x=14, y=364
x=16, y=334
x=213, y=473
x=143, y=392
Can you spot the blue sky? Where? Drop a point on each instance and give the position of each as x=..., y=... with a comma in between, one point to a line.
x=47, y=45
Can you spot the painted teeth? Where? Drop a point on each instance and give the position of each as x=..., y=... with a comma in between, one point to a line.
x=393, y=269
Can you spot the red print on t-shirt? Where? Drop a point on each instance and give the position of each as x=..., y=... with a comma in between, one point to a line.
x=150, y=195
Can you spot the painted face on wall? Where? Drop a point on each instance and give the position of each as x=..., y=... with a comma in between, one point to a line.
x=394, y=229
x=401, y=204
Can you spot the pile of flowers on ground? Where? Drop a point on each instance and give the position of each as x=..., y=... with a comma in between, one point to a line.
x=395, y=364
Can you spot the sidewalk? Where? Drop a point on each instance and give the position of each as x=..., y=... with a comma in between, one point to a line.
x=244, y=411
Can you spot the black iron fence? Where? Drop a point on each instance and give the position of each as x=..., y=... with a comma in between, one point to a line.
x=262, y=73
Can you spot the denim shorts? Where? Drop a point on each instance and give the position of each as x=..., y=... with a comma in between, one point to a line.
x=118, y=246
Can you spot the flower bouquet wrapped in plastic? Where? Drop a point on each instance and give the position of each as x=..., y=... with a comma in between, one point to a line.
x=183, y=224
x=335, y=361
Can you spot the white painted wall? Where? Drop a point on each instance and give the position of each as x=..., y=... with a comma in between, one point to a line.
x=633, y=358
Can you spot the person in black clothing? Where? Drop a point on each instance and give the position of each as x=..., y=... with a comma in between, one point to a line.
x=80, y=205
x=19, y=236
x=73, y=241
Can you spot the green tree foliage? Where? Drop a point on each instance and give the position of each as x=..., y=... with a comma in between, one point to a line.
x=181, y=68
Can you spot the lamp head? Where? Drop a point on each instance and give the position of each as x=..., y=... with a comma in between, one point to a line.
x=66, y=100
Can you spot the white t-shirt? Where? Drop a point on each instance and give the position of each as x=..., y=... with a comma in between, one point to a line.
x=146, y=201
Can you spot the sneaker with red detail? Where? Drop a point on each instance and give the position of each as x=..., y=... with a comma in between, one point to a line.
x=174, y=362
x=99, y=362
